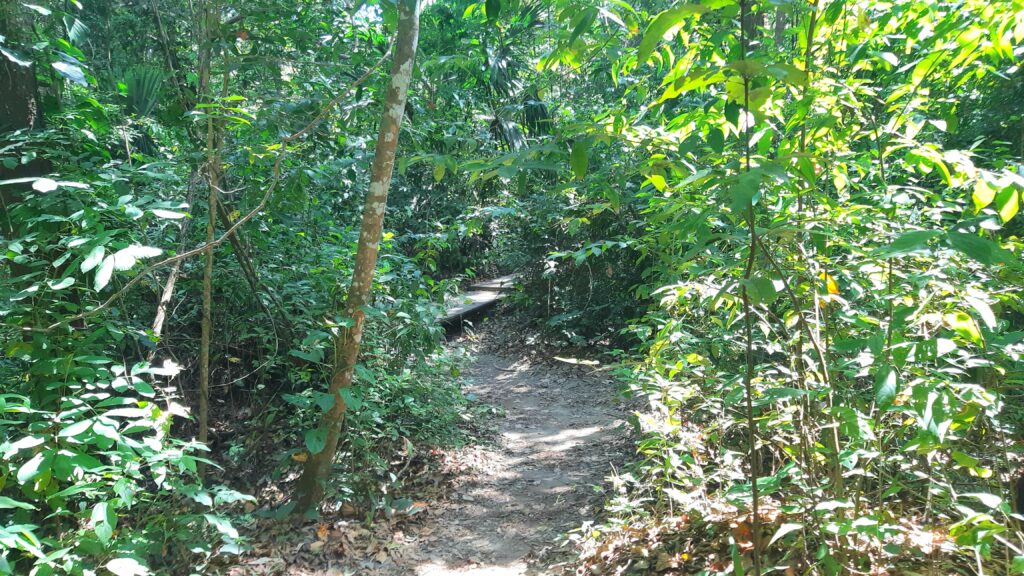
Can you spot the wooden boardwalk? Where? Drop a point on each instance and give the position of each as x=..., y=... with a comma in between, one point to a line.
x=480, y=297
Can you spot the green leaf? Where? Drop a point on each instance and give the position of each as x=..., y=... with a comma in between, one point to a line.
x=223, y=525
x=104, y=520
x=324, y=400
x=35, y=467
x=125, y=258
x=72, y=72
x=38, y=8
x=76, y=428
x=716, y=140
x=761, y=290
x=786, y=528
x=60, y=284
x=6, y=502
x=964, y=460
x=658, y=181
x=316, y=355
x=908, y=243
x=885, y=387
x=315, y=440
x=169, y=214
x=981, y=249
x=983, y=195
x=15, y=57
x=984, y=311
x=732, y=113
x=127, y=567
x=990, y=501
x=663, y=24
x=745, y=191
x=579, y=159
x=352, y=401
x=926, y=66
x=93, y=258
x=76, y=489
x=1008, y=202
x=582, y=22
x=103, y=273
x=962, y=323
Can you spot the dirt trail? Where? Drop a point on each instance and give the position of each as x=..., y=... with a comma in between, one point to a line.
x=561, y=433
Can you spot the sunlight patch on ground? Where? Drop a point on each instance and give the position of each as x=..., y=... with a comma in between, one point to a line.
x=561, y=441
x=439, y=569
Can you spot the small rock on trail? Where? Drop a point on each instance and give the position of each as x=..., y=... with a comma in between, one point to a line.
x=560, y=436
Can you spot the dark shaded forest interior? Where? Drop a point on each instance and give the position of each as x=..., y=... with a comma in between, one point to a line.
x=591, y=287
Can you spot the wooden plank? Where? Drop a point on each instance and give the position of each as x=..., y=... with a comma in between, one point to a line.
x=470, y=303
x=500, y=284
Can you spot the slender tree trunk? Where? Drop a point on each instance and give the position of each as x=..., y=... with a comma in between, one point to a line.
x=172, y=58
x=310, y=488
x=780, y=28
x=210, y=21
x=172, y=277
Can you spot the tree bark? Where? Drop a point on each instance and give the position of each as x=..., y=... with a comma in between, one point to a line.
x=210, y=23
x=310, y=488
x=20, y=106
x=172, y=277
x=20, y=109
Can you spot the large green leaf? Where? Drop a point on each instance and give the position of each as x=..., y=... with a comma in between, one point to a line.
x=35, y=467
x=908, y=243
x=745, y=191
x=582, y=22
x=1008, y=202
x=981, y=249
x=6, y=503
x=579, y=158
x=315, y=440
x=885, y=387
x=663, y=24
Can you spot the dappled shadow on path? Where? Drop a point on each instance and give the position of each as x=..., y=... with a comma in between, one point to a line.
x=561, y=434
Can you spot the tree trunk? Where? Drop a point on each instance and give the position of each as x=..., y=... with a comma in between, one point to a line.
x=19, y=106
x=210, y=23
x=780, y=28
x=20, y=109
x=310, y=489
x=172, y=277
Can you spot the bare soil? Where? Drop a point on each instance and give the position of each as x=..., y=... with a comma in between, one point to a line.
x=561, y=434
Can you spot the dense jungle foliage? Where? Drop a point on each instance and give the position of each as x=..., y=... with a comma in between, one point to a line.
x=795, y=224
